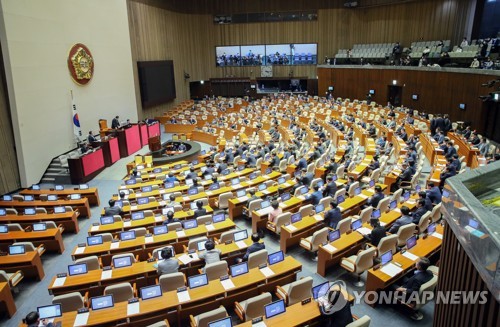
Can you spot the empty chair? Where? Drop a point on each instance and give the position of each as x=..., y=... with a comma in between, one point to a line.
x=174, y=226
x=171, y=282
x=121, y=255
x=226, y=236
x=352, y=189
x=344, y=225
x=387, y=243
x=315, y=181
x=14, y=227
x=71, y=301
x=148, y=213
x=28, y=246
x=254, y=205
x=404, y=233
x=360, y=322
x=106, y=237
x=383, y=204
x=216, y=269
x=163, y=323
x=340, y=171
x=121, y=292
x=365, y=214
x=298, y=191
x=12, y=278
x=223, y=201
x=257, y=258
x=436, y=213
x=326, y=201
x=193, y=243
x=375, y=175
x=203, y=319
x=11, y=211
x=296, y=291
x=282, y=219
x=40, y=210
x=397, y=195
x=253, y=307
x=424, y=222
x=313, y=242
x=306, y=210
x=52, y=225
x=140, y=231
x=118, y=218
x=204, y=219
x=359, y=263
x=91, y=261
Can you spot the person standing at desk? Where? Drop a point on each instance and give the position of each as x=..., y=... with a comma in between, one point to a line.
x=169, y=264
x=115, y=123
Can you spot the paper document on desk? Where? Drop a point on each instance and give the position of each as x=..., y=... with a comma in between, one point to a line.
x=291, y=228
x=397, y=210
x=163, y=191
x=127, y=223
x=330, y=248
x=341, y=208
x=265, y=191
x=80, y=250
x=235, y=186
x=361, y=195
x=59, y=282
x=363, y=231
x=227, y=284
x=114, y=245
x=410, y=256
x=183, y=296
x=106, y=274
x=94, y=228
x=138, y=195
x=181, y=233
x=185, y=198
x=208, y=193
x=260, y=324
x=318, y=217
x=391, y=269
x=241, y=244
x=158, y=219
x=162, y=203
x=437, y=235
x=185, y=259
x=243, y=198
x=282, y=205
x=267, y=272
x=133, y=208
x=149, y=239
x=265, y=211
x=81, y=319
x=286, y=184
x=133, y=308
x=301, y=197
x=210, y=227
x=382, y=223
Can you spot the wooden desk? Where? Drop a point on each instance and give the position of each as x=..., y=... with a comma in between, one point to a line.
x=295, y=315
x=29, y=263
x=376, y=280
x=82, y=205
x=430, y=148
x=361, y=168
x=201, y=136
x=201, y=300
x=259, y=220
x=50, y=238
x=67, y=219
x=92, y=194
x=464, y=149
x=6, y=297
x=178, y=128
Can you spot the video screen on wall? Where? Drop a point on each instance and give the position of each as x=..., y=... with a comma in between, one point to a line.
x=269, y=54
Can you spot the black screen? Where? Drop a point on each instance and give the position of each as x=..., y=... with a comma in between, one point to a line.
x=157, y=82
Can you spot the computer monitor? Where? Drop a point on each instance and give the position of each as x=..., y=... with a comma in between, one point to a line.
x=157, y=170
x=334, y=178
x=372, y=183
x=193, y=191
x=169, y=185
x=194, y=162
x=130, y=181
x=16, y=249
x=319, y=208
x=376, y=214
x=393, y=205
x=252, y=176
x=7, y=198
x=158, y=230
x=208, y=177
x=473, y=223
x=386, y=257
x=241, y=193
x=340, y=199
x=411, y=242
x=304, y=190
x=357, y=224
x=94, y=240
x=147, y=188
x=201, y=245
x=52, y=197
x=144, y=200
x=275, y=257
x=3, y=212
x=4, y=229
x=431, y=228
x=274, y=308
x=59, y=209
x=128, y=235
x=218, y=217
x=262, y=187
x=119, y=203
x=320, y=290
x=49, y=311
x=235, y=181
x=296, y=217
x=406, y=196
x=268, y=171
x=265, y=204
x=39, y=227
x=417, y=188
x=224, y=322
x=197, y=281
x=121, y=262
x=225, y=172
x=333, y=235
x=285, y=196
x=446, y=194
x=281, y=180
x=137, y=215
x=188, y=224
x=320, y=183
x=102, y=302
x=241, y=235
x=59, y=187
x=150, y=292
x=78, y=269
x=29, y=211
x=189, y=182
x=357, y=190
x=239, y=269
x=75, y=196
x=35, y=187
x=107, y=220
x=29, y=198
x=214, y=186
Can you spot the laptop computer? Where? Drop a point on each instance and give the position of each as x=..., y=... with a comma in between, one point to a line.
x=446, y=194
x=376, y=214
x=52, y=197
x=101, y=302
x=357, y=191
x=157, y=170
x=281, y=180
x=150, y=292
x=357, y=224
x=29, y=198
x=333, y=235
x=285, y=196
x=240, y=236
x=193, y=206
x=241, y=193
x=128, y=235
x=340, y=199
x=121, y=262
x=320, y=290
x=239, y=269
x=304, y=190
x=274, y=308
x=188, y=224
x=16, y=249
x=7, y=198
x=262, y=187
x=406, y=196
x=137, y=215
x=29, y=211
x=158, y=230
x=201, y=245
x=107, y=220
x=393, y=205
x=165, y=211
x=411, y=242
x=252, y=176
x=224, y=322
x=49, y=311
x=59, y=187
x=371, y=183
x=265, y=204
x=208, y=177
x=296, y=217
x=4, y=229
x=218, y=217
x=197, y=281
x=235, y=181
x=319, y=208
x=3, y=212
x=94, y=240
x=78, y=269
x=59, y=209
x=386, y=258
x=39, y=227
x=275, y=257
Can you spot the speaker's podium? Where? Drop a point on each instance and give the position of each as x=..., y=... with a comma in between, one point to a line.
x=154, y=143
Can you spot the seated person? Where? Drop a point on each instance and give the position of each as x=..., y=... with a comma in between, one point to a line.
x=330, y=188
x=375, y=198
x=211, y=255
x=192, y=174
x=171, y=201
x=421, y=210
x=404, y=220
x=335, y=309
x=275, y=213
x=33, y=320
x=316, y=196
x=433, y=193
x=377, y=233
x=200, y=211
x=333, y=216
x=182, y=147
x=256, y=246
x=171, y=178
x=112, y=209
x=428, y=203
x=170, y=218
x=252, y=197
x=170, y=264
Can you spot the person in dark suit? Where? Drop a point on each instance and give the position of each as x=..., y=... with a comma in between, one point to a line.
x=330, y=188
x=316, y=196
x=451, y=150
x=200, y=211
x=275, y=160
x=405, y=176
x=335, y=309
x=375, y=198
x=302, y=164
x=433, y=193
x=421, y=210
x=440, y=123
x=378, y=232
x=192, y=174
x=112, y=209
x=252, y=197
x=306, y=178
x=447, y=173
x=404, y=220
x=115, y=123
x=91, y=138
x=256, y=246
x=427, y=202
x=332, y=167
x=171, y=178
x=33, y=320
x=333, y=216
x=170, y=218
x=420, y=277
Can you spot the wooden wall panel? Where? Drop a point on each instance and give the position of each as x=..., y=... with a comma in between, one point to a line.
x=438, y=91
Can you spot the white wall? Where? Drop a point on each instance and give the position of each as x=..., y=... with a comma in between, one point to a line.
x=36, y=37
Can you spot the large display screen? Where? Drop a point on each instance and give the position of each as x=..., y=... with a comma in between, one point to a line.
x=269, y=54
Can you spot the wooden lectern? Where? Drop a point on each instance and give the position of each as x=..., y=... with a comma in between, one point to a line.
x=154, y=143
